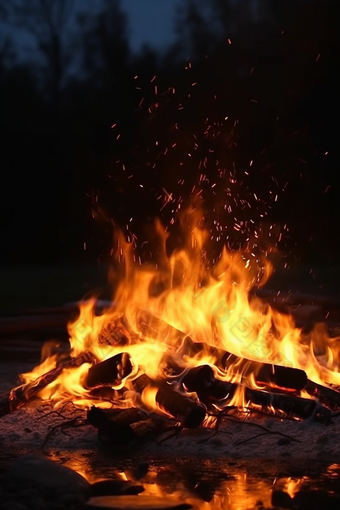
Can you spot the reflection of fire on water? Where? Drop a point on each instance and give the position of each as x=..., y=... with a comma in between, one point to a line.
x=185, y=340
x=230, y=485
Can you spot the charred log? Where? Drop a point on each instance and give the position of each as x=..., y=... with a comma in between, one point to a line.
x=202, y=381
x=127, y=429
x=327, y=396
x=265, y=373
x=110, y=372
x=114, y=333
x=283, y=377
x=209, y=389
x=186, y=411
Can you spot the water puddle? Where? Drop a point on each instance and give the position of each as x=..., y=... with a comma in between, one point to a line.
x=222, y=483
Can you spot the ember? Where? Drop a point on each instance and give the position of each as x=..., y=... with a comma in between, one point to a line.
x=185, y=344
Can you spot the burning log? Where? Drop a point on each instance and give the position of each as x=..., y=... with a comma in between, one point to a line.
x=185, y=410
x=20, y=396
x=265, y=373
x=328, y=396
x=114, y=334
x=110, y=372
x=209, y=389
x=291, y=405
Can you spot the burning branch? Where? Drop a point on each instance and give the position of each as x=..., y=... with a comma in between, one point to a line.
x=20, y=396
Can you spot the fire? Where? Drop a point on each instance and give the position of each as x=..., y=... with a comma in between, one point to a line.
x=158, y=310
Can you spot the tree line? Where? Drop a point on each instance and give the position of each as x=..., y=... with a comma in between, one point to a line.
x=93, y=134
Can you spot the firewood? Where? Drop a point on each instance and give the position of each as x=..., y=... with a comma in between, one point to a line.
x=278, y=375
x=95, y=414
x=202, y=381
x=114, y=333
x=281, y=376
x=185, y=410
x=209, y=389
x=291, y=405
x=20, y=396
x=110, y=372
x=127, y=429
x=326, y=395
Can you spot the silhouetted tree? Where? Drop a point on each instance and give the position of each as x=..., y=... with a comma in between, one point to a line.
x=47, y=22
x=105, y=44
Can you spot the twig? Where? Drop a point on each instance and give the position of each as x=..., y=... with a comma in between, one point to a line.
x=268, y=432
x=75, y=422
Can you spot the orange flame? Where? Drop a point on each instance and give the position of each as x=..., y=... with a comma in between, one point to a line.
x=209, y=303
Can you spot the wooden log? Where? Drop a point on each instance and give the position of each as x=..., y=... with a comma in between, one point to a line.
x=281, y=376
x=209, y=389
x=20, y=396
x=110, y=372
x=202, y=381
x=125, y=429
x=100, y=417
x=185, y=410
x=278, y=375
x=326, y=395
x=114, y=333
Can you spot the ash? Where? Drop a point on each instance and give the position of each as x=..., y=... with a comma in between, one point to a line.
x=38, y=428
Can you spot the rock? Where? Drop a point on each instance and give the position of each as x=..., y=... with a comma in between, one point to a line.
x=50, y=479
x=316, y=499
x=281, y=499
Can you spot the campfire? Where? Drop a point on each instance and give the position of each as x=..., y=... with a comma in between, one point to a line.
x=186, y=342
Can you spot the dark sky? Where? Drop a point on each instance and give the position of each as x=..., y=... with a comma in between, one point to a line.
x=150, y=21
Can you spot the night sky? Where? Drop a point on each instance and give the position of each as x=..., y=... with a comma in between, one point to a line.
x=256, y=108
x=150, y=21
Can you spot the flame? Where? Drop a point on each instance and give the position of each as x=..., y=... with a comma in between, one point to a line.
x=156, y=309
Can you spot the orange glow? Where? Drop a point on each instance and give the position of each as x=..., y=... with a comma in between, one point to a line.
x=210, y=303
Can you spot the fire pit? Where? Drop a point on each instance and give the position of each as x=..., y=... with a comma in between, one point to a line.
x=188, y=360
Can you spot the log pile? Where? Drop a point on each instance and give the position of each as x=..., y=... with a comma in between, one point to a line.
x=183, y=397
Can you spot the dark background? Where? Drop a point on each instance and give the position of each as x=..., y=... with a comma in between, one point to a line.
x=245, y=113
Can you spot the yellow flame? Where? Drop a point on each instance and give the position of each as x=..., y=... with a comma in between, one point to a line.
x=209, y=303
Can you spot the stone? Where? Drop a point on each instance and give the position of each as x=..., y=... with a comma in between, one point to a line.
x=49, y=478
x=281, y=499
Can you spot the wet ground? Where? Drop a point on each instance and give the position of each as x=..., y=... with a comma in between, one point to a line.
x=227, y=483
x=224, y=483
